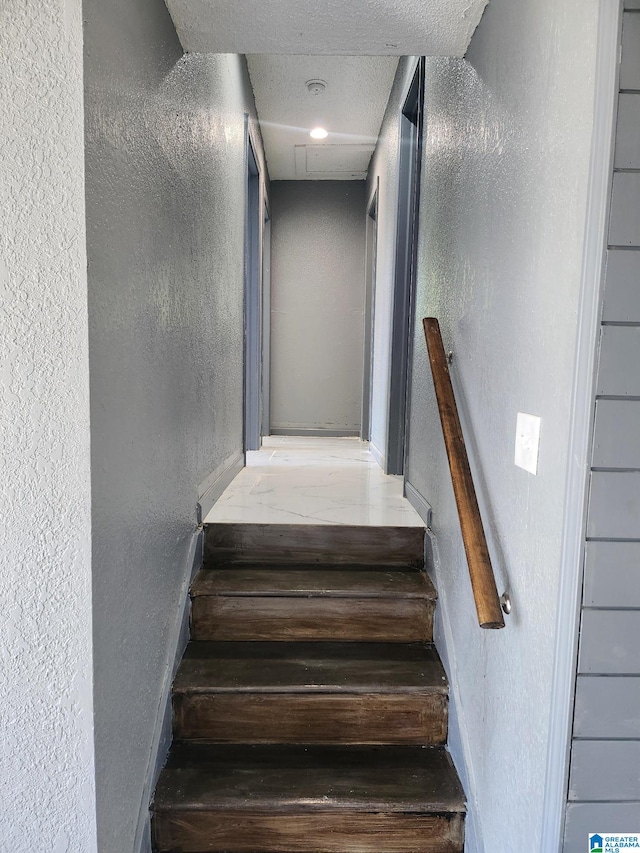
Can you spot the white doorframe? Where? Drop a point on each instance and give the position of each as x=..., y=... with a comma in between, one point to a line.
x=575, y=509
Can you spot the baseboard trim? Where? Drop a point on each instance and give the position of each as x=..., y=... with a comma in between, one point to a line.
x=163, y=722
x=215, y=484
x=327, y=433
x=377, y=454
x=418, y=502
x=458, y=740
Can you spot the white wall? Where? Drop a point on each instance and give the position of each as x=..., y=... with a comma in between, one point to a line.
x=384, y=169
x=503, y=205
x=166, y=182
x=46, y=709
x=317, y=304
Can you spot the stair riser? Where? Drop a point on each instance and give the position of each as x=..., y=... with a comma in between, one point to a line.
x=331, y=619
x=189, y=831
x=419, y=719
x=300, y=543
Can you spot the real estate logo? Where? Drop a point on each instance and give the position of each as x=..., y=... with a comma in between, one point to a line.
x=613, y=842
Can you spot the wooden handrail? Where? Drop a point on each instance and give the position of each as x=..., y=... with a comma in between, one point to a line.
x=483, y=582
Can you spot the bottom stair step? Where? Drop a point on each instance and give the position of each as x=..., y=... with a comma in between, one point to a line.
x=296, y=799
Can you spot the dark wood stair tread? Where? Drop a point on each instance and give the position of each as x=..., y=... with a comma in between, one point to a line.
x=299, y=779
x=304, y=581
x=221, y=667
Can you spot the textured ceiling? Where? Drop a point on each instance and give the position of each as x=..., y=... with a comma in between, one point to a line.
x=349, y=43
x=346, y=27
x=351, y=109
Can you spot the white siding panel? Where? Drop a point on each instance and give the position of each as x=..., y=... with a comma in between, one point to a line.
x=607, y=707
x=609, y=642
x=605, y=770
x=612, y=574
x=622, y=285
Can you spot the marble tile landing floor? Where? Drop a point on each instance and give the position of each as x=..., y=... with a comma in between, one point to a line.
x=308, y=480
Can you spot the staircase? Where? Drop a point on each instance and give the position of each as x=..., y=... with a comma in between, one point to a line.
x=310, y=709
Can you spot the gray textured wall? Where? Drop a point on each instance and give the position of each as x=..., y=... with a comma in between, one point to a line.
x=317, y=303
x=46, y=710
x=165, y=235
x=504, y=193
x=604, y=784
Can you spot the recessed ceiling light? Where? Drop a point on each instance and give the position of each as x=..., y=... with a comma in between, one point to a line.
x=318, y=133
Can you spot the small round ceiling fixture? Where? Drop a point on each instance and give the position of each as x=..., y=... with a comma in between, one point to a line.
x=316, y=87
x=318, y=133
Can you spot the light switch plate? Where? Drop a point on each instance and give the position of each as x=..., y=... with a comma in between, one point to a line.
x=527, y=442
